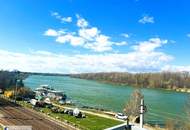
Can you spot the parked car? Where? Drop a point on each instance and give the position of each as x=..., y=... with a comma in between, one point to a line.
x=121, y=116
x=66, y=111
x=70, y=112
x=79, y=115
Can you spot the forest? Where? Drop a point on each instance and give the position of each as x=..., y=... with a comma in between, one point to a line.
x=166, y=80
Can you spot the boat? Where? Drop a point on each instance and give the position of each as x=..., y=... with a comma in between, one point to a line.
x=47, y=91
x=44, y=88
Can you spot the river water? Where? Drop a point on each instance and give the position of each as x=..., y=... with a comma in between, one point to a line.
x=162, y=104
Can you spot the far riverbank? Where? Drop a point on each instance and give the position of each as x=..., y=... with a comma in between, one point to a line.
x=176, y=81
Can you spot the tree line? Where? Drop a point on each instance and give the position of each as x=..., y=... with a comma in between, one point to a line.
x=167, y=80
x=11, y=78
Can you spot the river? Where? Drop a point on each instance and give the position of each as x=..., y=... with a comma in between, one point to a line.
x=162, y=104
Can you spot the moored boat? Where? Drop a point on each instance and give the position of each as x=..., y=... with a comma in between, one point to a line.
x=47, y=91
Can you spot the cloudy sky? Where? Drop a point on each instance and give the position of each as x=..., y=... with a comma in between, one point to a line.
x=77, y=36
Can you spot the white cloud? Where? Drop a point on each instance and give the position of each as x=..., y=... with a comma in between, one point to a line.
x=121, y=43
x=66, y=19
x=100, y=44
x=51, y=32
x=73, y=40
x=175, y=68
x=86, y=36
x=125, y=35
x=54, y=13
x=89, y=34
x=63, y=39
x=146, y=19
x=77, y=41
x=150, y=45
x=102, y=39
x=137, y=60
x=41, y=53
x=188, y=35
x=61, y=18
x=59, y=63
x=81, y=22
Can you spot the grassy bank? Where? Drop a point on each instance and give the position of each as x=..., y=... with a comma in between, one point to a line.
x=91, y=122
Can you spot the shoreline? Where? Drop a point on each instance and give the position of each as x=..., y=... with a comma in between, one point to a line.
x=181, y=90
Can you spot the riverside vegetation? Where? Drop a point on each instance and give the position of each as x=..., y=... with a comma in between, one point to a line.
x=179, y=81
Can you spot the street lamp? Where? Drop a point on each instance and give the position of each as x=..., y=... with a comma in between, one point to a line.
x=143, y=109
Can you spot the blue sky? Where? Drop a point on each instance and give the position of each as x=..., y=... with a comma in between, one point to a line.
x=75, y=36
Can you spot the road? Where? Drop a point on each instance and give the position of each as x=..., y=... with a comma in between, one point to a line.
x=12, y=114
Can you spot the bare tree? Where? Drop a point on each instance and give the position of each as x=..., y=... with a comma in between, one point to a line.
x=133, y=105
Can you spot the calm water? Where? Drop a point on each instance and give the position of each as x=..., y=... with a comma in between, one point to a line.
x=162, y=105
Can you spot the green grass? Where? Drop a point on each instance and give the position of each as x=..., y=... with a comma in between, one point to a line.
x=24, y=104
x=1, y=128
x=91, y=122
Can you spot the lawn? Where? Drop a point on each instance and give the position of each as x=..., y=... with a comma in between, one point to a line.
x=91, y=122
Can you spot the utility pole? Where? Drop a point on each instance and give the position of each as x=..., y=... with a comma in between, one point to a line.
x=16, y=91
x=142, y=113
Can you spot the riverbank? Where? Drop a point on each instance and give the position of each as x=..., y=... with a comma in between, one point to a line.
x=182, y=90
x=175, y=89
x=179, y=82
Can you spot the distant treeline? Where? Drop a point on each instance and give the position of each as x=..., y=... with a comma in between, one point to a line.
x=167, y=80
x=45, y=74
x=11, y=78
